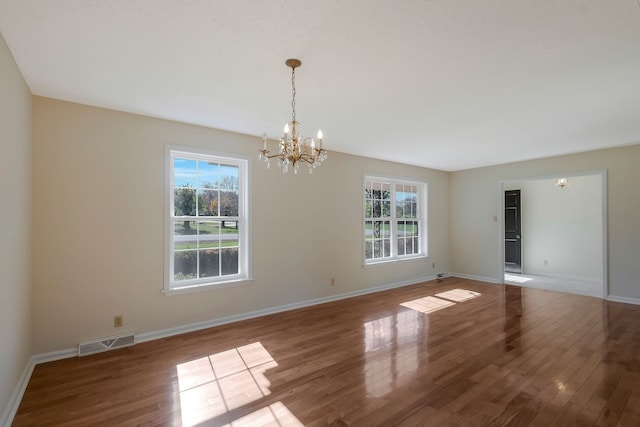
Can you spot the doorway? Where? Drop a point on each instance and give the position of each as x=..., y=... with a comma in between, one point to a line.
x=562, y=229
x=512, y=232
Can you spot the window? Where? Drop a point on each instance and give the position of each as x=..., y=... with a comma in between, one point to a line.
x=207, y=234
x=393, y=219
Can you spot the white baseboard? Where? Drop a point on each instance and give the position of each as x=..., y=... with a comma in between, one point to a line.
x=623, y=299
x=14, y=402
x=478, y=278
x=55, y=355
x=542, y=273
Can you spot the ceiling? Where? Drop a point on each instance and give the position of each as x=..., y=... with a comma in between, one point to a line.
x=444, y=84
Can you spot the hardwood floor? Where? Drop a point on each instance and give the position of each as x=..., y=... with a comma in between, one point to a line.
x=484, y=355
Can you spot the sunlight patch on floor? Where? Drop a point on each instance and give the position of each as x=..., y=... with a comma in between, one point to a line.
x=427, y=304
x=442, y=300
x=459, y=295
x=214, y=385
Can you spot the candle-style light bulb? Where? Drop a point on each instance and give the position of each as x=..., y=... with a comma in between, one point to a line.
x=264, y=141
x=285, y=138
x=319, y=139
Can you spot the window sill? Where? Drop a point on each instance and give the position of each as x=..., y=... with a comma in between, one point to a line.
x=206, y=287
x=392, y=260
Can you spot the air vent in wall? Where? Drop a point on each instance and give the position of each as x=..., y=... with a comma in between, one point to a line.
x=106, y=343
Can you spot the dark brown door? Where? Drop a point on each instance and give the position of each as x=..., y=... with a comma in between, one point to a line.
x=512, y=236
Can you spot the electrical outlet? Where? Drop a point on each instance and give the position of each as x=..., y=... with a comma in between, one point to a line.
x=118, y=321
x=333, y=281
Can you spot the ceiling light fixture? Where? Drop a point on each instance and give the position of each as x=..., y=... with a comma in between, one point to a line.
x=562, y=182
x=293, y=149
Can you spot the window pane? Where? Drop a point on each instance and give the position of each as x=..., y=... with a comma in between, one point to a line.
x=228, y=177
x=228, y=203
x=386, y=191
x=229, y=261
x=208, y=234
x=399, y=204
x=376, y=229
x=400, y=228
x=208, y=202
x=184, y=173
x=184, y=201
x=413, y=228
x=407, y=228
x=377, y=249
x=207, y=174
x=368, y=208
x=401, y=246
x=209, y=263
x=377, y=209
x=408, y=248
x=386, y=208
x=368, y=230
x=185, y=265
x=229, y=233
x=184, y=228
x=385, y=229
x=368, y=250
x=387, y=248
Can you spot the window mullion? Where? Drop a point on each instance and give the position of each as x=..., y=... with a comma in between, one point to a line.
x=393, y=231
x=197, y=240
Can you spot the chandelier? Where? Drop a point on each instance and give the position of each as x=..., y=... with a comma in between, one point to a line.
x=293, y=149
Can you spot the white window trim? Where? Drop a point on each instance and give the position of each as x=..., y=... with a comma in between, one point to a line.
x=244, y=222
x=423, y=191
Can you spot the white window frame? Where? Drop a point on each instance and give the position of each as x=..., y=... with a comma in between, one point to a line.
x=421, y=218
x=172, y=286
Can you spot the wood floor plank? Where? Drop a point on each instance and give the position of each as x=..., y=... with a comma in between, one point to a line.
x=481, y=355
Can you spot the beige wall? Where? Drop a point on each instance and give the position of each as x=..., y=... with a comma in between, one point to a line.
x=476, y=197
x=562, y=228
x=98, y=227
x=15, y=221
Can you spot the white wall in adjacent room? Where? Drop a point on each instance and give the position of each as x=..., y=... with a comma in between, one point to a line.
x=562, y=228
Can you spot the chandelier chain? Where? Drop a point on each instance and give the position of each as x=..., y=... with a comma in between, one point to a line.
x=293, y=98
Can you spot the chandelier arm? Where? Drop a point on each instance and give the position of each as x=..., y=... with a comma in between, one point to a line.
x=266, y=154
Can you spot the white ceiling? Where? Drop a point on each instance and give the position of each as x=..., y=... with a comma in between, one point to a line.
x=445, y=84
